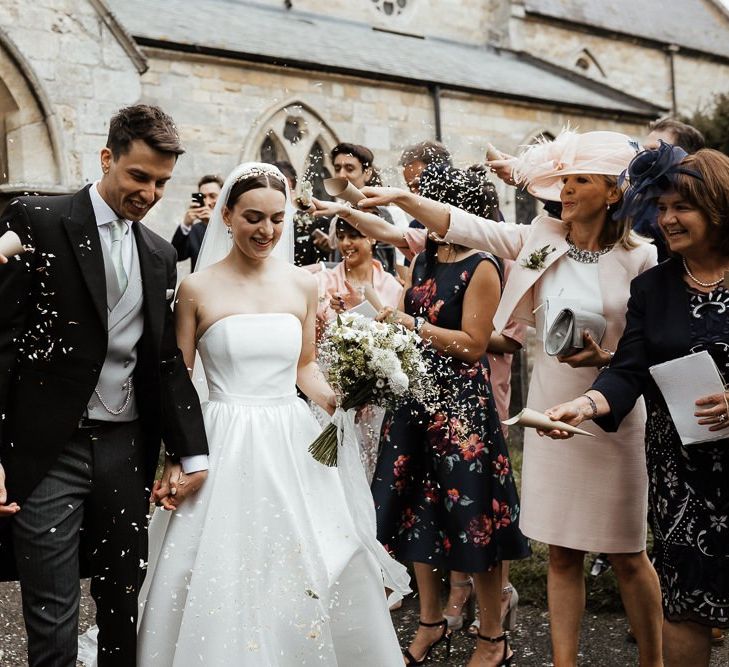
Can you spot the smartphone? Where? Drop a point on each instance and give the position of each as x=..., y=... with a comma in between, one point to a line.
x=198, y=199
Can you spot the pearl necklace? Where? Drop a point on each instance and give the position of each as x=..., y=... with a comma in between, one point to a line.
x=696, y=280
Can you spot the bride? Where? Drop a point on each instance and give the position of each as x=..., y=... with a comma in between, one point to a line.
x=271, y=562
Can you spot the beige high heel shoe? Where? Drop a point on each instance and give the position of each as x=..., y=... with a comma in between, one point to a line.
x=457, y=621
x=508, y=618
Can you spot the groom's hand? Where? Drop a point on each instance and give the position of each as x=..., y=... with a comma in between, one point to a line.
x=12, y=508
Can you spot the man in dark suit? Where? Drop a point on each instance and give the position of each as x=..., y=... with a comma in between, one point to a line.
x=91, y=381
x=188, y=237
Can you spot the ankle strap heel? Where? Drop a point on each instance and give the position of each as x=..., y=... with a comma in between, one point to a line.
x=506, y=660
x=445, y=637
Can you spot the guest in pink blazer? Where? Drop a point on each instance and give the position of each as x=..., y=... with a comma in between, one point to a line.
x=591, y=495
x=357, y=275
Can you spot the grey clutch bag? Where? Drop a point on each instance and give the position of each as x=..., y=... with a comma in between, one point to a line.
x=565, y=336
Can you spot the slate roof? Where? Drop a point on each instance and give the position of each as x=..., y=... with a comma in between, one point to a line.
x=264, y=33
x=694, y=24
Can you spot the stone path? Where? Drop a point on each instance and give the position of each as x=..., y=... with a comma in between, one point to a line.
x=603, y=644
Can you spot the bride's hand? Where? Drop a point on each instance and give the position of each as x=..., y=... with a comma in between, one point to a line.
x=331, y=404
x=381, y=196
x=185, y=486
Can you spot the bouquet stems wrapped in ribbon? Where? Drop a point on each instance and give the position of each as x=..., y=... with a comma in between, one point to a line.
x=368, y=362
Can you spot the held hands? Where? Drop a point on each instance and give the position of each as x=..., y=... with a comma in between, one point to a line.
x=12, y=508
x=590, y=355
x=3, y=259
x=715, y=415
x=174, y=486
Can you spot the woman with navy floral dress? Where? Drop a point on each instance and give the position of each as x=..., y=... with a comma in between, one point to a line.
x=443, y=486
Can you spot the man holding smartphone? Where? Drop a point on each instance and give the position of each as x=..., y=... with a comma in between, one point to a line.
x=189, y=235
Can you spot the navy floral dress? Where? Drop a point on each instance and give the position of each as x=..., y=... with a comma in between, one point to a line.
x=443, y=486
x=689, y=490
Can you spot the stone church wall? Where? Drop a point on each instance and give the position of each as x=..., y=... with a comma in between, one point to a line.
x=80, y=68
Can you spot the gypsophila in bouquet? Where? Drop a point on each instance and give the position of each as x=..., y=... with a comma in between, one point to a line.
x=369, y=362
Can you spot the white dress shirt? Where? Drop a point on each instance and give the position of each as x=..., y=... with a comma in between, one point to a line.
x=104, y=214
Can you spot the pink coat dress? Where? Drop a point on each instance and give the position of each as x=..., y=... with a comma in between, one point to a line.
x=583, y=493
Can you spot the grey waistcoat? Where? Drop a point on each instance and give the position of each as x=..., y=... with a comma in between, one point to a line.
x=125, y=325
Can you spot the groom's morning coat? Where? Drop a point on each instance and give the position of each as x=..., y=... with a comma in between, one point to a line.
x=53, y=339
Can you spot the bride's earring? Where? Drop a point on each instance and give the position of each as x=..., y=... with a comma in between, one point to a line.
x=230, y=231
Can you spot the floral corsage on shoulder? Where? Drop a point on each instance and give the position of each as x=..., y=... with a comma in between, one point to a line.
x=535, y=261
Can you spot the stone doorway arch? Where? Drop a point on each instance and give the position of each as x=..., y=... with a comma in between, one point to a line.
x=31, y=157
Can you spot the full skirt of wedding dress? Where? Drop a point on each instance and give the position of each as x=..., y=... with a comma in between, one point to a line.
x=262, y=567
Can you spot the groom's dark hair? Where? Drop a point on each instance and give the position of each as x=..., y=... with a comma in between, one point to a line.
x=145, y=122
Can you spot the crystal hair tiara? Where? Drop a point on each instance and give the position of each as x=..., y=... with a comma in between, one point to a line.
x=252, y=172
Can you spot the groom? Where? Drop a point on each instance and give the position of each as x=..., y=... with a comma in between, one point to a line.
x=91, y=381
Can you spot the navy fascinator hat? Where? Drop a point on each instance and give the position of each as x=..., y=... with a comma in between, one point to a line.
x=650, y=174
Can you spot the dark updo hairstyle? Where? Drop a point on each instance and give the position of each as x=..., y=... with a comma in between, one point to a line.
x=470, y=190
x=253, y=182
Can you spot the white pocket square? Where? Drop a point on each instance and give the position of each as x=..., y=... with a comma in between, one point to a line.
x=169, y=294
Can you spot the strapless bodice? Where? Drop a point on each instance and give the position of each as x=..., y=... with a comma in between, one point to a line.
x=252, y=355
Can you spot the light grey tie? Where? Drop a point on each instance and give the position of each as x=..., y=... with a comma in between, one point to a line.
x=118, y=229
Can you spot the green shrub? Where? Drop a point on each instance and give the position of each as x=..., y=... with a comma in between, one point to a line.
x=713, y=122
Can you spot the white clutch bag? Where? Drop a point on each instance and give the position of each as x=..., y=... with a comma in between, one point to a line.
x=565, y=336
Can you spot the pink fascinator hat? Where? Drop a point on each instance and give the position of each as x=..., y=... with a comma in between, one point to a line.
x=543, y=164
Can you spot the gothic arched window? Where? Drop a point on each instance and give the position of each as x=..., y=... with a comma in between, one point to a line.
x=297, y=134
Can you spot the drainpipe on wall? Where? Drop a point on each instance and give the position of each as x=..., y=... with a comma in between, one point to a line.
x=672, y=50
x=435, y=94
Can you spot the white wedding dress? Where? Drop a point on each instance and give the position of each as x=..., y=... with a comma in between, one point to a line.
x=263, y=567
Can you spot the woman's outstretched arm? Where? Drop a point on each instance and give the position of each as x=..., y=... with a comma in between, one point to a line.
x=503, y=239
x=366, y=223
x=434, y=215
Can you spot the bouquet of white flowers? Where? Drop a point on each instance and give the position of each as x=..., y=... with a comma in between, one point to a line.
x=368, y=362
